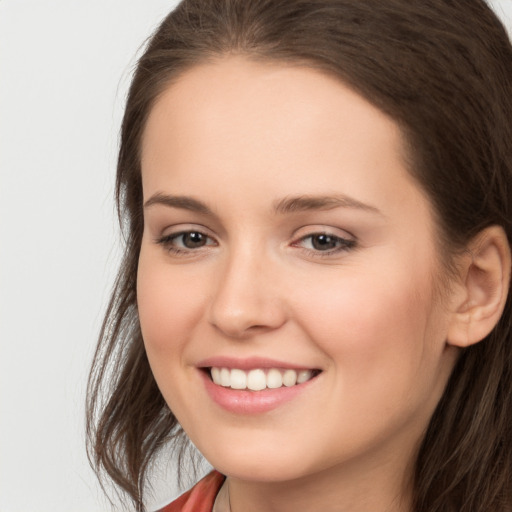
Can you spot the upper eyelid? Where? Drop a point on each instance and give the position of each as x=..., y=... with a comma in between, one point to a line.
x=323, y=230
x=168, y=234
x=178, y=229
x=169, y=244
x=312, y=228
x=177, y=234
x=345, y=245
x=346, y=240
x=186, y=232
x=299, y=234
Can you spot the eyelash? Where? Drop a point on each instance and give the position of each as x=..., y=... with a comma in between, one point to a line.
x=168, y=241
x=342, y=244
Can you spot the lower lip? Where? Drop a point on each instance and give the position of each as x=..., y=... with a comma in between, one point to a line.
x=251, y=402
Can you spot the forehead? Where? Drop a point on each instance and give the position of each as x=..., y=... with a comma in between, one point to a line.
x=265, y=103
x=273, y=128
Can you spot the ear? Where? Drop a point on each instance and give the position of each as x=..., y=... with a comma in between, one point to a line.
x=482, y=292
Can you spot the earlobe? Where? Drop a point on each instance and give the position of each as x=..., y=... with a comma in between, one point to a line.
x=484, y=287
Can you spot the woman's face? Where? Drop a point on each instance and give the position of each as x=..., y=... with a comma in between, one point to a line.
x=284, y=238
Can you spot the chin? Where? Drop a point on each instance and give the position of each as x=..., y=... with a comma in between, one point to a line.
x=259, y=471
x=254, y=462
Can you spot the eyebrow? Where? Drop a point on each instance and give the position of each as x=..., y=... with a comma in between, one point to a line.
x=283, y=206
x=305, y=203
x=183, y=202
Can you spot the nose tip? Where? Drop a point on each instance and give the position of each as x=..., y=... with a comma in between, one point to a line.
x=239, y=314
x=239, y=321
x=245, y=303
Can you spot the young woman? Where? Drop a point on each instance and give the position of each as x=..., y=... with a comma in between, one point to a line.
x=316, y=286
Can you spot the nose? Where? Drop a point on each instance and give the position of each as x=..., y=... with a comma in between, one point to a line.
x=248, y=298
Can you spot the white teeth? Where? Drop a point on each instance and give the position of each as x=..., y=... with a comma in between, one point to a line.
x=225, y=377
x=304, y=376
x=216, y=375
x=238, y=379
x=274, y=379
x=290, y=378
x=259, y=379
x=256, y=380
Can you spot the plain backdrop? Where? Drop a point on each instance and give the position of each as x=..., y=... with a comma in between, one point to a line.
x=64, y=71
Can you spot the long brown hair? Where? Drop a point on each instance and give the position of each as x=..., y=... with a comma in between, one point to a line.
x=442, y=69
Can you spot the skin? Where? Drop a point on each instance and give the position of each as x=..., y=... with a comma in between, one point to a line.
x=241, y=137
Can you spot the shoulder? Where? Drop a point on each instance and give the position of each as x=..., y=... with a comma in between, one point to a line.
x=200, y=498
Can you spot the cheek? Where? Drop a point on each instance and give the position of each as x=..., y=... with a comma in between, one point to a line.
x=380, y=328
x=170, y=308
x=385, y=356
x=168, y=303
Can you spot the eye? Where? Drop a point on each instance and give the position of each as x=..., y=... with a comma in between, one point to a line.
x=185, y=241
x=191, y=240
x=325, y=243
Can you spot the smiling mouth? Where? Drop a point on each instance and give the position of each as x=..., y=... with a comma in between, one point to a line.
x=259, y=379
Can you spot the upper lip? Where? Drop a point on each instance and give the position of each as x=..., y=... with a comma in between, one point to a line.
x=250, y=363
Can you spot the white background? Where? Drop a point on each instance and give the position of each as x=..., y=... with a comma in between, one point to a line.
x=64, y=71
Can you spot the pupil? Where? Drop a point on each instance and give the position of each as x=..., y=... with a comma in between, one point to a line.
x=193, y=240
x=323, y=242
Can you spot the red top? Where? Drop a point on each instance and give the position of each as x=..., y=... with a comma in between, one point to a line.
x=200, y=498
